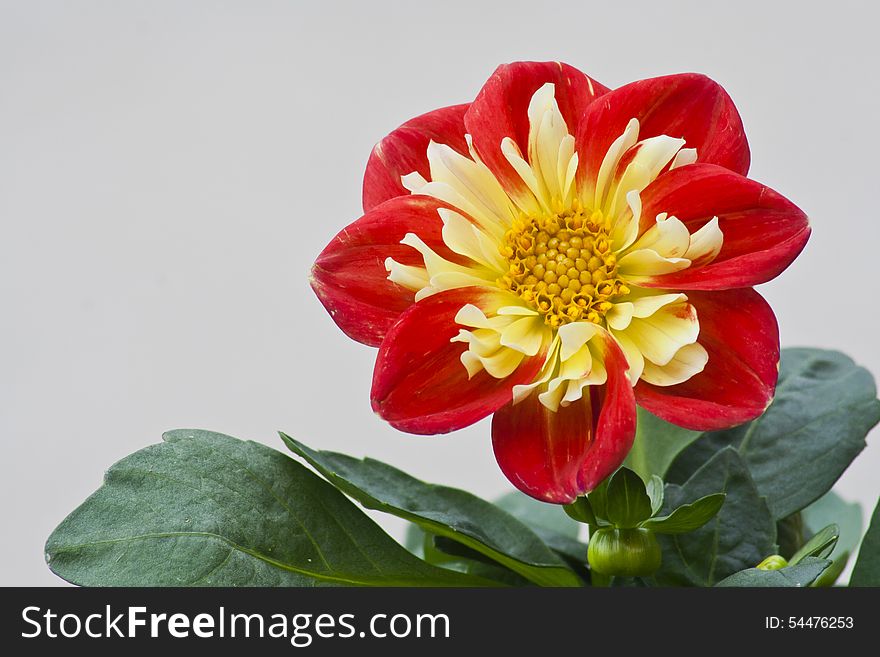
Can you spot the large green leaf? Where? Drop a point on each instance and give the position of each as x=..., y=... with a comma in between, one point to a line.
x=740, y=535
x=656, y=445
x=207, y=509
x=867, y=568
x=824, y=407
x=443, y=511
x=801, y=574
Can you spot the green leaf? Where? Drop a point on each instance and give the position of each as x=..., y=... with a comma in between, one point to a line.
x=791, y=533
x=204, y=509
x=598, y=498
x=627, y=501
x=831, y=508
x=848, y=517
x=688, y=517
x=442, y=511
x=741, y=534
x=551, y=524
x=535, y=514
x=867, y=569
x=655, y=491
x=821, y=545
x=801, y=574
x=461, y=558
x=824, y=407
x=581, y=511
x=833, y=572
x=656, y=445
x=414, y=539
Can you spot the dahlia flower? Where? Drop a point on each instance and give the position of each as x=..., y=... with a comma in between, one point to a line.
x=555, y=253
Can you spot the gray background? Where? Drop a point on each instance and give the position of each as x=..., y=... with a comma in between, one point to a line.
x=169, y=170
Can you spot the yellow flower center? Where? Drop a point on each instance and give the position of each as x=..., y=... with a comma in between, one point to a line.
x=563, y=266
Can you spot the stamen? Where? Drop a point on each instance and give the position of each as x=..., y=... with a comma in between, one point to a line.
x=563, y=266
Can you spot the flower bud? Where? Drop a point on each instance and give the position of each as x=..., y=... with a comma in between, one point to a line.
x=624, y=552
x=773, y=562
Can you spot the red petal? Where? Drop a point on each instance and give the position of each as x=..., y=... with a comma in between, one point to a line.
x=501, y=110
x=405, y=151
x=419, y=382
x=349, y=276
x=687, y=105
x=763, y=231
x=739, y=330
x=556, y=456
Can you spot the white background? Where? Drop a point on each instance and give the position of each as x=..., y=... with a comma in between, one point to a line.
x=169, y=170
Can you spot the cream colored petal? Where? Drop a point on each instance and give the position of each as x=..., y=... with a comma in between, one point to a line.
x=443, y=274
x=661, y=335
x=567, y=167
x=625, y=227
x=531, y=204
x=687, y=362
x=413, y=182
x=649, y=160
x=552, y=397
x=471, y=362
x=619, y=315
x=577, y=365
x=547, y=129
x=466, y=239
x=647, y=302
x=705, y=244
x=684, y=157
x=640, y=264
x=551, y=363
x=517, y=310
x=471, y=316
x=668, y=236
x=502, y=363
x=525, y=335
x=409, y=276
x=634, y=357
x=449, y=194
x=551, y=147
x=575, y=335
x=609, y=163
x=451, y=280
x=481, y=342
x=598, y=374
x=474, y=182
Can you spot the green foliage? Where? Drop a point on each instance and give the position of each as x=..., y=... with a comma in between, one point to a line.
x=740, y=535
x=687, y=517
x=204, y=509
x=821, y=545
x=627, y=502
x=442, y=511
x=656, y=445
x=794, y=575
x=824, y=407
x=867, y=569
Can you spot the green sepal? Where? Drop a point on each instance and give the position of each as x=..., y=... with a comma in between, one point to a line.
x=627, y=502
x=687, y=517
x=581, y=510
